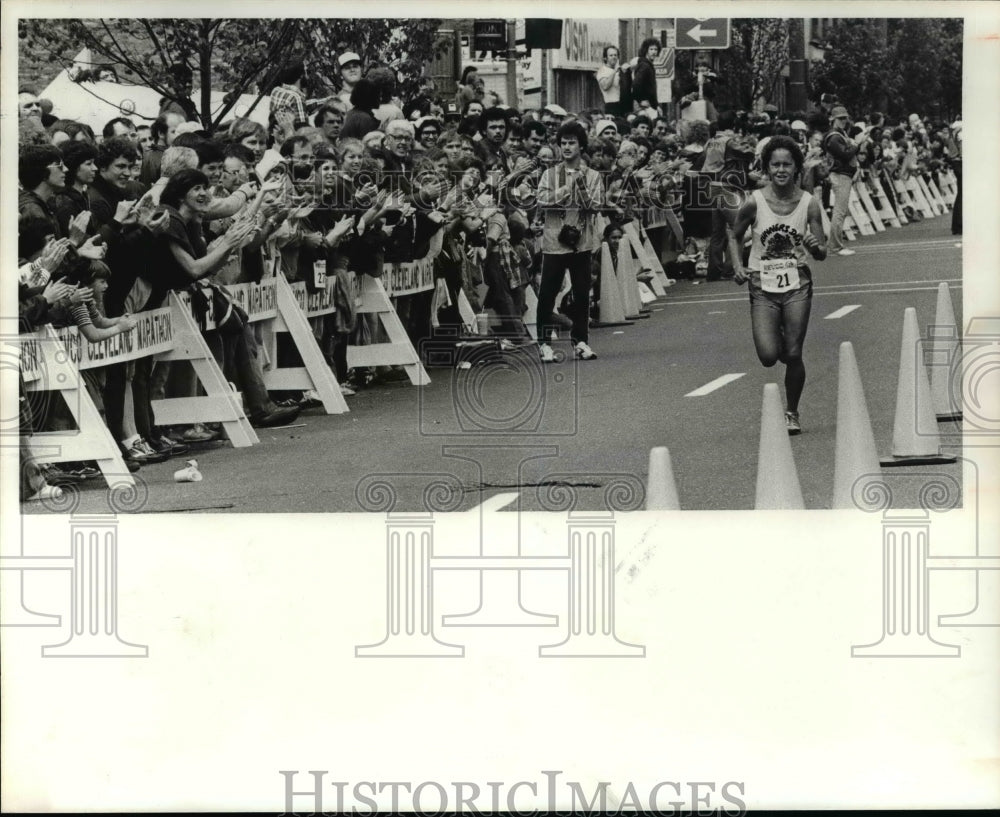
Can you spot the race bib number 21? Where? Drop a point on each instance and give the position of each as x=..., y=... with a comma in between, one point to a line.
x=779, y=275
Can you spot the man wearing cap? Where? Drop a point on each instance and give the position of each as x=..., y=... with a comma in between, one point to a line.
x=845, y=165
x=608, y=130
x=552, y=118
x=428, y=129
x=350, y=75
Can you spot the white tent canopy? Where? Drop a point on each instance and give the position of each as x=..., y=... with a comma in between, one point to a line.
x=95, y=103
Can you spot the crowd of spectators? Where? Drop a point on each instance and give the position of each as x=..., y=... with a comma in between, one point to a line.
x=340, y=186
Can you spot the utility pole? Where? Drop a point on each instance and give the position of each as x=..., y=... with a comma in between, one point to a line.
x=798, y=67
x=512, y=63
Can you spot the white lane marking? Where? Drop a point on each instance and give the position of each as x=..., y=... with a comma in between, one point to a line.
x=844, y=310
x=817, y=291
x=718, y=383
x=717, y=312
x=617, y=333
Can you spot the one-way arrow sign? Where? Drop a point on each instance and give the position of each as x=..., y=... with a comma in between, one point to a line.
x=701, y=33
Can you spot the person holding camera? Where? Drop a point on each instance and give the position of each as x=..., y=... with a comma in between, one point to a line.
x=844, y=151
x=570, y=195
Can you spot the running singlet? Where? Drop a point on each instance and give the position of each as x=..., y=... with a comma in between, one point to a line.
x=777, y=251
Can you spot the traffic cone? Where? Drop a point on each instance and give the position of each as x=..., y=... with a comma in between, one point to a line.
x=946, y=350
x=647, y=258
x=915, y=438
x=855, y=456
x=659, y=274
x=777, y=480
x=611, y=311
x=661, y=491
x=627, y=283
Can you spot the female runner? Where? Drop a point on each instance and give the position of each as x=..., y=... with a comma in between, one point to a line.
x=786, y=224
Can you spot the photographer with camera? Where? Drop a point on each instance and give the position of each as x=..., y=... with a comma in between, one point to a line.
x=570, y=196
x=844, y=151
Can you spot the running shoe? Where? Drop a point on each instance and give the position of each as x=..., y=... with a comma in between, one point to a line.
x=46, y=492
x=792, y=423
x=846, y=252
x=310, y=399
x=194, y=434
x=346, y=390
x=167, y=446
x=548, y=356
x=144, y=453
x=56, y=476
x=83, y=471
x=584, y=352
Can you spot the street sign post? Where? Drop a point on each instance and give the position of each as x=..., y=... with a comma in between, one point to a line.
x=489, y=35
x=698, y=33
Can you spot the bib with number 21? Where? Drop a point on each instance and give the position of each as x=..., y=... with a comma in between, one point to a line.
x=779, y=275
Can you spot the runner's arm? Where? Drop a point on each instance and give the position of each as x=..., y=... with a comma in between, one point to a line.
x=815, y=239
x=744, y=218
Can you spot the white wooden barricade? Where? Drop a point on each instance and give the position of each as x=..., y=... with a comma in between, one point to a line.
x=285, y=309
x=938, y=195
x=397, y=280
x=949, y=187
x=52, y=361
x=399, y=350
x=647, y=258
x=878, y=197
x=933, y=199
x=467, y=313
x=861, y=194
x=917, y=197
x=859, y=215
x=220, y=403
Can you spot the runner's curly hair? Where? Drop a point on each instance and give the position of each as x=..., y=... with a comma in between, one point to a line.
x=782, y=143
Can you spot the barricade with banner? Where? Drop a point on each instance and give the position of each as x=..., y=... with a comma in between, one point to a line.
x=397, y=280
x=52, y=360
x=219, y=404
x=293, y=307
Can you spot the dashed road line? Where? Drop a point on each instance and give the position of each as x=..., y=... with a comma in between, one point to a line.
x=844, y=310
x=718, y=383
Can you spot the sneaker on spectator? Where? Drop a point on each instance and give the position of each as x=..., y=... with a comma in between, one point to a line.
x=584, y=352
x=144, y=453
x=194, y=434
x=792, y=423
x=84, y=471
x=46, y=492
x=56, y=476
x=548, y=356
x=167, y=446
x=277, y=416
x=346, y=390
x=846, y=252
x=310, y=399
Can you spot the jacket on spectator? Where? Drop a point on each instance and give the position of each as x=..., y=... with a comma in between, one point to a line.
x=843, y=151
x=644, y=82
x=104, y=198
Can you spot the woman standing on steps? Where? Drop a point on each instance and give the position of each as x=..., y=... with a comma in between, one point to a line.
x=786, y=229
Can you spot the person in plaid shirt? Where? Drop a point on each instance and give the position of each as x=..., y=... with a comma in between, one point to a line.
x=289, y=95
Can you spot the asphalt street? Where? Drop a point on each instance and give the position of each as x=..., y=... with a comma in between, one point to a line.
x=515, y=426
